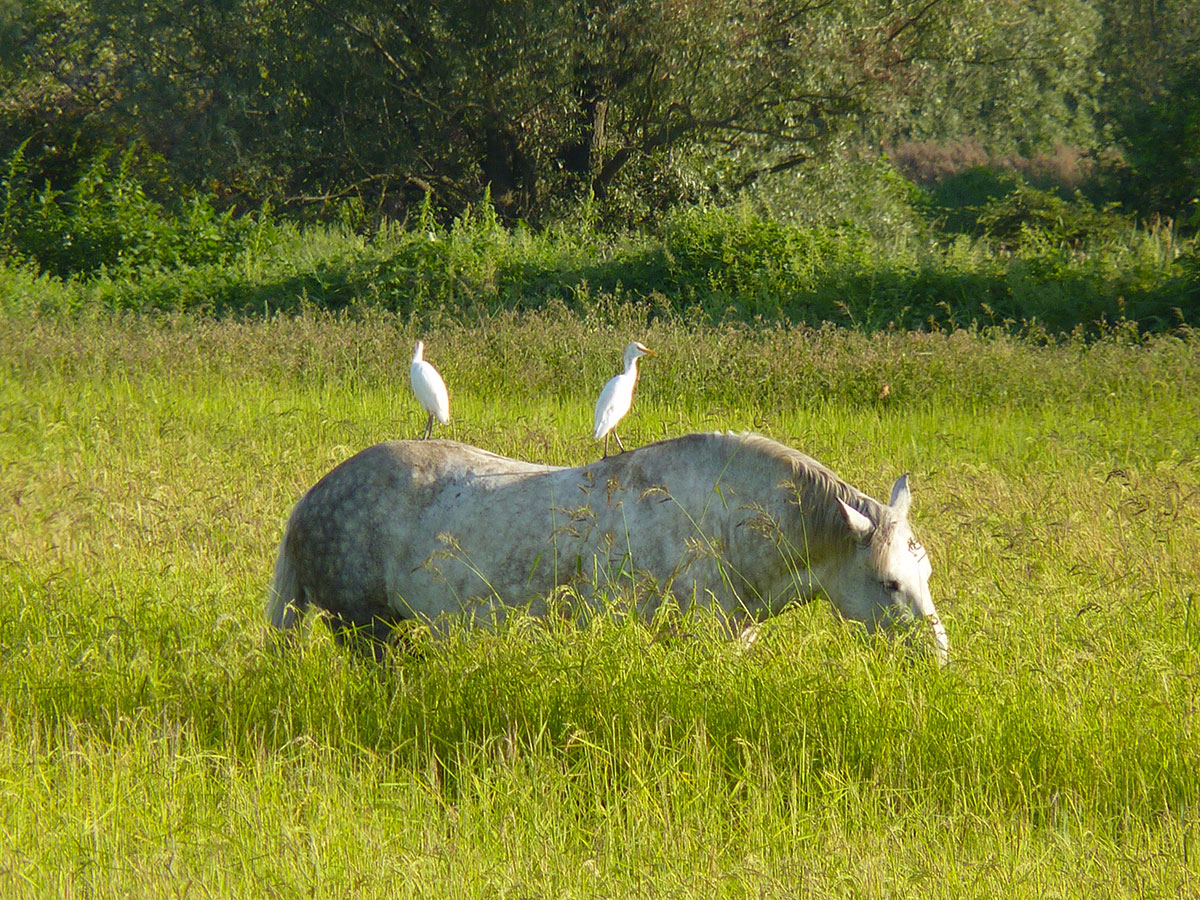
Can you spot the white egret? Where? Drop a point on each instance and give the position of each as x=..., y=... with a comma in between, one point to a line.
x=617, y=396
x=431, y=392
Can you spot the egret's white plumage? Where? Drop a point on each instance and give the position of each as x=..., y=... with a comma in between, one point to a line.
x=431, y=392
x=617, y=396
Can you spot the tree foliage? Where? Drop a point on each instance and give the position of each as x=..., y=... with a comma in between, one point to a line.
x=639, y=103
x=1151, y=100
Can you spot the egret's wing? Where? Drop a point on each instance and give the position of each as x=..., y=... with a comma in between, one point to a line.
x=441, y=396
x=430, y=390
x=614, y=402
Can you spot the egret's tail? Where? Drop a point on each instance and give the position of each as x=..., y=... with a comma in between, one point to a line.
x=285, y=600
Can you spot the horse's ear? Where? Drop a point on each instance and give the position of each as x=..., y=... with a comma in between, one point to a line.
x=860, y=526
x=901, y=498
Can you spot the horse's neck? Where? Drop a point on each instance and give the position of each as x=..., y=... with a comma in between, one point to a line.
x=813, y=546
x=818, y=516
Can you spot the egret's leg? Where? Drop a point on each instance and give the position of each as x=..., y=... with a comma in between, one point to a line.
x=428, y=428
x=605, y=456
x=618, y=437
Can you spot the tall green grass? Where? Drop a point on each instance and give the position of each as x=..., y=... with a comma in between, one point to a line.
x=152, y=741
x=1028, y=262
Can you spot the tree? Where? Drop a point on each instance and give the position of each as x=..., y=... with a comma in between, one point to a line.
x=640, y=103
x=1016, y=75
x=1151, y=103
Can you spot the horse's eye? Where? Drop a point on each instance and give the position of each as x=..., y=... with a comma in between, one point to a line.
x=892, y=587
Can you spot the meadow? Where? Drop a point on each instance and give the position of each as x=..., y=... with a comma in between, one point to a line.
x=155, y=742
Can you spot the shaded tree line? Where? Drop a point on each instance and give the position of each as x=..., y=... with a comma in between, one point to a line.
x=637, y=104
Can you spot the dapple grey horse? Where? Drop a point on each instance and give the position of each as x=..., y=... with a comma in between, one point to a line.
x=422, y=529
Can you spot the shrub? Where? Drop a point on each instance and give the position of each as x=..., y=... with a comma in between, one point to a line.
x=106, y=219
x=1161, y=142
x=1027, y=214
x=732, y=259
x=958, y=198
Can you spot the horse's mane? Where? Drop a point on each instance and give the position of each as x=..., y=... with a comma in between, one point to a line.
x=817, y=488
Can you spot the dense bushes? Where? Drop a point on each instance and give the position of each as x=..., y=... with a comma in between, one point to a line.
x=107, y=219
x=982, y=248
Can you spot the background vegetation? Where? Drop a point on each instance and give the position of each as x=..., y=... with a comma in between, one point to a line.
x=142, y=136
x=726, y=159
x=1040, y=264
x=639, y=103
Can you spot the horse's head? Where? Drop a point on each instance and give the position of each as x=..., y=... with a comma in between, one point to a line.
x=885, y=580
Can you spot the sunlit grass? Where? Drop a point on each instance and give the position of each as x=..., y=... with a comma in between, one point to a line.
x=153, y=742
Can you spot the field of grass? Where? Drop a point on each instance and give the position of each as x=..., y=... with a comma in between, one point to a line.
x=154, y=743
